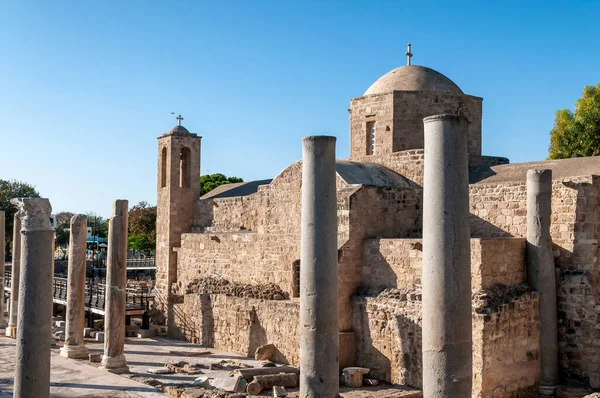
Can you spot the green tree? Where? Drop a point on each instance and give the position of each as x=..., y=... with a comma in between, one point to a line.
x=577, y=134
x=10, y=189
x=209, y=182
x=98, y=224
x=142, y=228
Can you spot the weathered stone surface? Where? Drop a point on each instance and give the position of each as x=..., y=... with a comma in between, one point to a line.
x=116, y=282
x=542, y=274
x=32, y=373
x=100, y=337
x=74, y=326
x=161, y=371
x=265, y=352
x=201, y=381
x=319, y=340
x=3, y=321
x=11, y=329
x=254, y=388
x=94, y=357
x=145, y=333
x=230, y=384
x=281, y=379
x=279, y=391
x=447, y=334
x=353, y=376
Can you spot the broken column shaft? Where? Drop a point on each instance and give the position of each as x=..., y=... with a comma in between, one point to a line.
x=542, y=274
x=74, y=346
x=319, y=341
x=447, y=330
x=116, y=283
x=32, y=371
x=11, y=330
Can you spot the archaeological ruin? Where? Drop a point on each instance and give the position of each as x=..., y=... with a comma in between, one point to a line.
x=497, y=288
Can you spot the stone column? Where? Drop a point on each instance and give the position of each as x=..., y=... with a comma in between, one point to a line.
x=542, y=274
x=447, y=330
x=319, y=339
x=32, y=372
x=11, y=331
x=74, y=347
x=116, y=283
x=3, y=323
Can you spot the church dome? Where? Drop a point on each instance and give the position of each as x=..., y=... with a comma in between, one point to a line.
x=413, y=78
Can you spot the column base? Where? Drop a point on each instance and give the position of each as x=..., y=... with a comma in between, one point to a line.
x=3, y=322
x=548, y=390
x=11, y=331
x=74, y=352
x=116, y=364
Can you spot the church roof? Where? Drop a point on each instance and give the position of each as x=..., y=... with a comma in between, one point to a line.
x=561, y=169
x=235, y=189
x=413, y=78
x=370, y=174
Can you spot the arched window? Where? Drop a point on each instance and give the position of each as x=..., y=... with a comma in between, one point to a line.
x=296, y=280
x=184, y=167
x=163, y=168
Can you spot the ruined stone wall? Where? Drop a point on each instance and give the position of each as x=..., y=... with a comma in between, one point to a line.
x=500, y=210
x=408, y=163
x=396, y=263
x=505, y=341
x=241, y=325
x=575, y=233
x=506, y=356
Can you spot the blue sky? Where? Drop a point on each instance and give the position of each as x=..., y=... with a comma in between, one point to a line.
x=86, y=87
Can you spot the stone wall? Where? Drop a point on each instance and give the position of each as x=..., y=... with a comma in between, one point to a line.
x=506, y=356
x=505, y=342
x=399, y=120
x=396, y=263
x=241, y=325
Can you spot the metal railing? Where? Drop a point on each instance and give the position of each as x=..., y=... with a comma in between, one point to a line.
x=138, y=296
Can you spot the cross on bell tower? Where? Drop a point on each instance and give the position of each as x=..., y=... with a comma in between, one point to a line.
x=408, y=55
x=179, y=119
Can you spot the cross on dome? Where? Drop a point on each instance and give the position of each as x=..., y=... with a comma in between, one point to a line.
x=179, y=119
x=408, y=55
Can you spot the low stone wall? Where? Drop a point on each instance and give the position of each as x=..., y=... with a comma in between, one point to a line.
x=505, y=341
x=240, y=325
x=506, y=358
x=396, y=263
x=388, y=336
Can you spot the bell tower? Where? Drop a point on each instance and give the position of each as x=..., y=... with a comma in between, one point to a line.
x=178, y=190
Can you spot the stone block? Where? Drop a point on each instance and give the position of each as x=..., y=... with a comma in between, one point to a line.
x=353, y=376
x=161, y=371
x=100, y=337
x=60, y=324
x=279, y=391
x=202, y=381
x=95, y=357
x=87, y=332
x=146, y=333
x=230, y=384
x=265, y=352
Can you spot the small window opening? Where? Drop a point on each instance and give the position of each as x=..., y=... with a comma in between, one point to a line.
x=371, y=132
x=184, y=167
x=296, y=282
x=163, y=168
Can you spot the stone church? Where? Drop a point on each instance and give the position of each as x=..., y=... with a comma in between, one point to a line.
x=228, y=262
